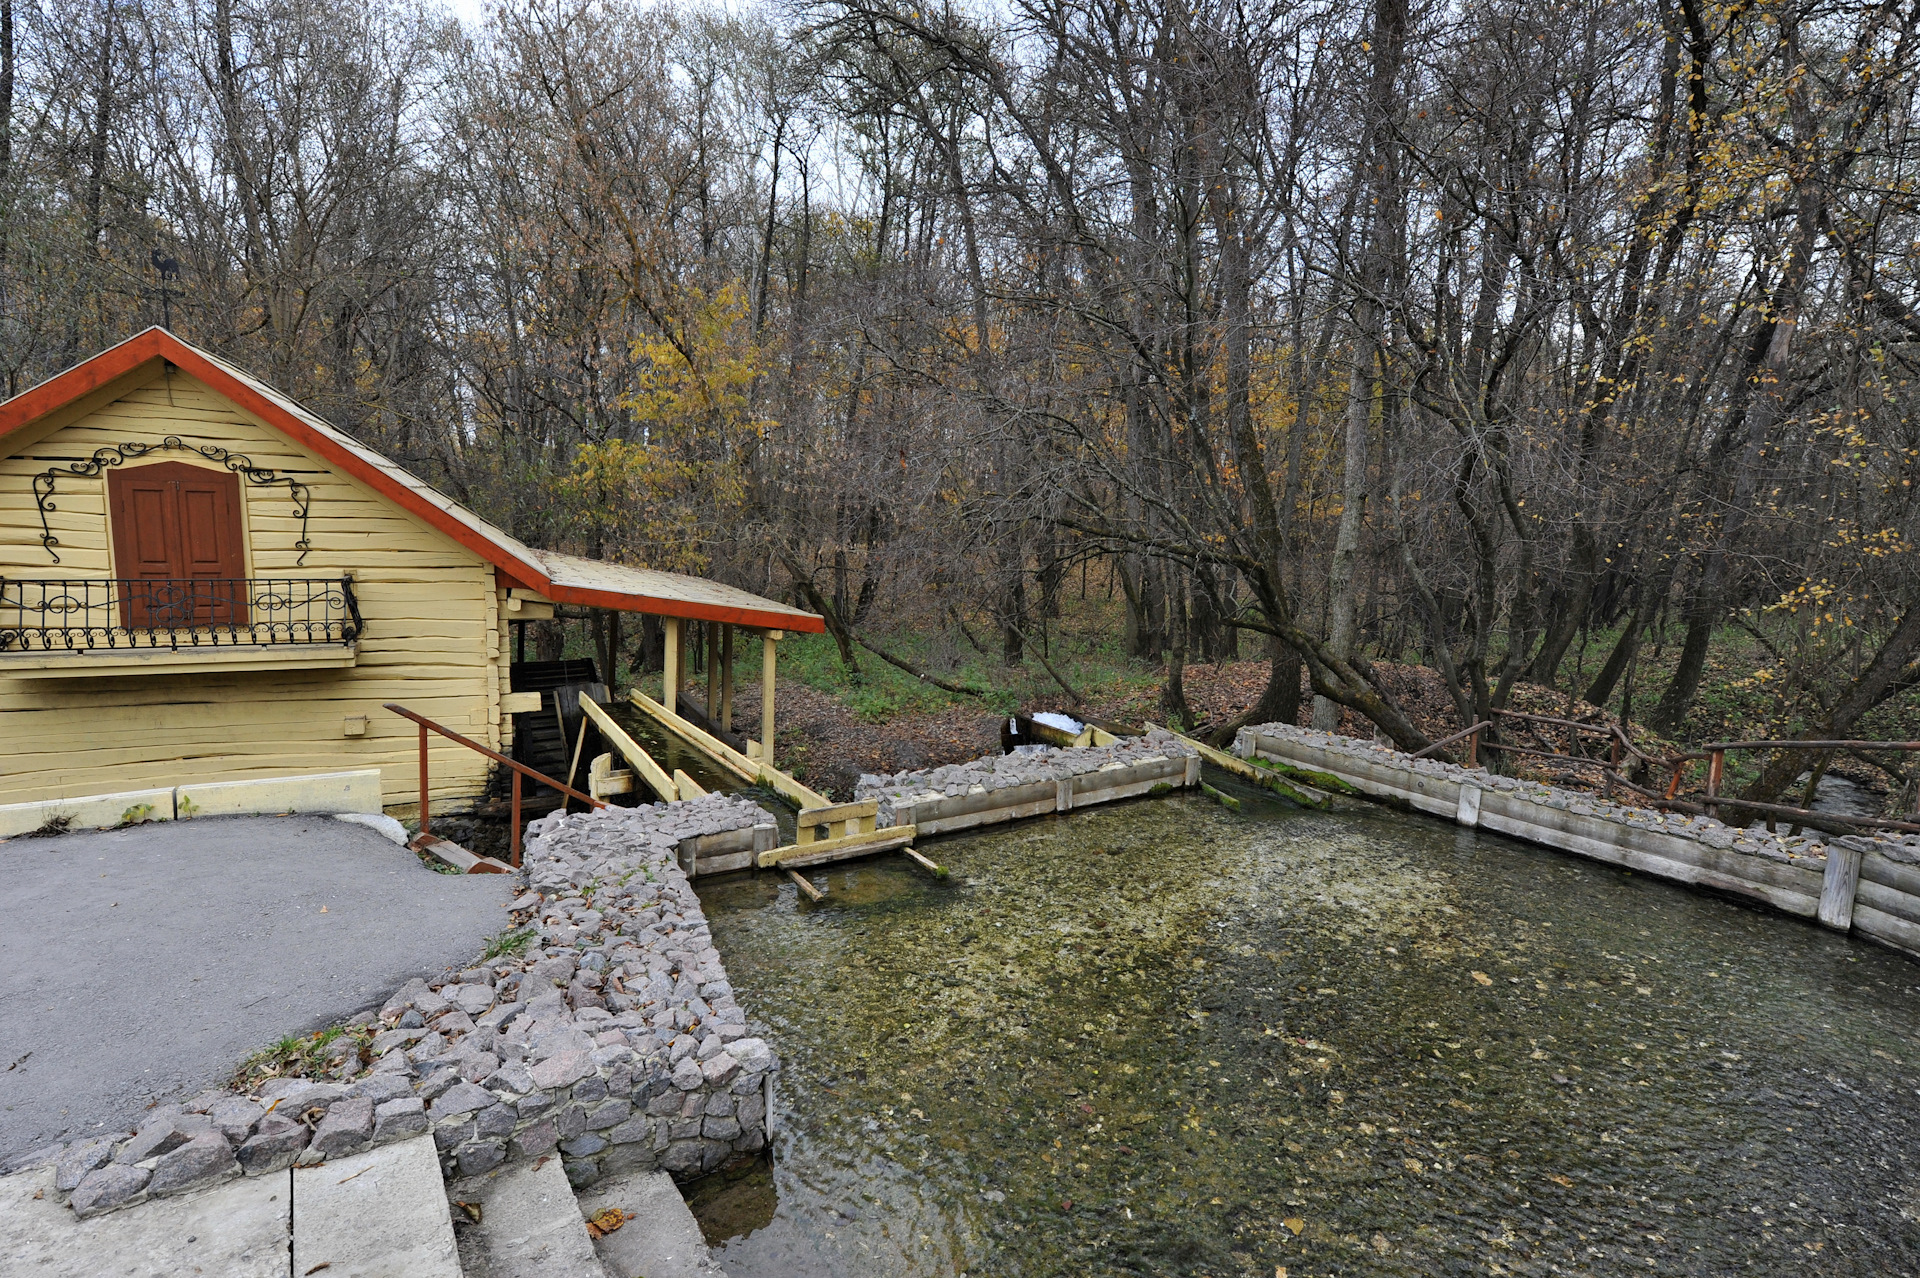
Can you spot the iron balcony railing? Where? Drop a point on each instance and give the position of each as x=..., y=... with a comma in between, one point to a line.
x=130, y=613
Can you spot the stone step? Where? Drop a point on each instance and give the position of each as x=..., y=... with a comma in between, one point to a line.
x=237, y=1229
x=661, y=1239
x=381, y=1214
x=529, y=1227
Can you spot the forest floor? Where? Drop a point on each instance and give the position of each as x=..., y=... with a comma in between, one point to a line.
x=835, y=725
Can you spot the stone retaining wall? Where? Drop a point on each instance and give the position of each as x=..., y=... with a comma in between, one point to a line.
x=613, y=1040
x=1005, y=787
x=1869, y=884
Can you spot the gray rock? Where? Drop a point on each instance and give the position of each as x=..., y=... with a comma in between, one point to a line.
x=687, y=1074
x=570, y=1121
x=156, y=1136
x=234, y=1117
x=77, y=1160
x=720, y=1128
x=453, y=1134
x=752, y=1053
x=584, y=1146
x=534, y=1139
x=720, y=1070
x=439, y=1082
x=452, y=1023
x=275, y=1143
x=398, y=1119
x=479, y=1157
x=105, y=1188
x=380, y=1088
x=500, y=1120
x=609, y=1114
x=562, y=1069
x=200, y=1161
x=683, y=1156
x=387, y=1040
x=347, y=1129
x=462, y=1098
x=402, y=997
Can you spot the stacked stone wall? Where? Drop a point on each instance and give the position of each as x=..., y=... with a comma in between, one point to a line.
x=611, y=1038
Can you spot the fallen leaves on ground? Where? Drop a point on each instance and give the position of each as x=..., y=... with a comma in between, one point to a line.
x=1483, y=978
x=605, y=1221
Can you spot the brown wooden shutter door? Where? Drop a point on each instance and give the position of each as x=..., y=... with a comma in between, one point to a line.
x=177, y=541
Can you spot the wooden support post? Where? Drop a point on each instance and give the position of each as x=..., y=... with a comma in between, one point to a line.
x=579, y=744
x=713, y=671
x=423, y=778
x=726, y=678
x=516, y=815
x=1716, y=772
x=670, y=670
x=1838, y=887
x=767, y=660
x=800, y=881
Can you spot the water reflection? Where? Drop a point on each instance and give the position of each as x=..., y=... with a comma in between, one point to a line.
x=1162, y=1039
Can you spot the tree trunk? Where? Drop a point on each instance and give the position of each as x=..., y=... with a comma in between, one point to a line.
x=1891, y=670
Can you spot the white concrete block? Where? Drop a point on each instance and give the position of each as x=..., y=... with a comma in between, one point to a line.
x=1468, y=811
x=319, y=792
x=661, y=1241
x=237, y=1230
x=381, y=1214
x=87, y=812
x=530, y=1223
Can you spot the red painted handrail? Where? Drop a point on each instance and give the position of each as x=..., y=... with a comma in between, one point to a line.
x=518, y=770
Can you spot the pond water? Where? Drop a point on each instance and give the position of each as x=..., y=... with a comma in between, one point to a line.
x=1161, y=1038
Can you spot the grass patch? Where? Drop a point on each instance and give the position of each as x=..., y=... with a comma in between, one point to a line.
x=305, y=1056
x=514, y=942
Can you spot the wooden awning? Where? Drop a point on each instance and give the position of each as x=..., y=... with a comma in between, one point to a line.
x=596, y=583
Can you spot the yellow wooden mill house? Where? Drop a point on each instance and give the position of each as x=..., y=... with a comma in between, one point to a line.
x=209, y=596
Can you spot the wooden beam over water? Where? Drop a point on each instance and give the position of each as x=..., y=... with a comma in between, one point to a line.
x=752, y=771
x=650, y=772
x=1304, y=795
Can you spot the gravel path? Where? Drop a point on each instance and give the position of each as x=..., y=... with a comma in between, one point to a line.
x=142, y=965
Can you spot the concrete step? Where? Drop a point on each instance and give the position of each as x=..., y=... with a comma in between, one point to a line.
x=529, y=1227
x=381, y=1214
x=237, y=1229
x=661, y=1239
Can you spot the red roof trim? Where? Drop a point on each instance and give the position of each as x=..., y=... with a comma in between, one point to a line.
x=83, y=379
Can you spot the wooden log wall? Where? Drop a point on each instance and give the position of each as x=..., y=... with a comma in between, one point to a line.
x=434, y=638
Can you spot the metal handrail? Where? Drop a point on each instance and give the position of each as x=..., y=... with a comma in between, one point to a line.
x=518, y=770
x=74, y=614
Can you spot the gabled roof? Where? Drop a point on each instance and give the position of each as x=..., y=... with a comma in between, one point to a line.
x=561, y=578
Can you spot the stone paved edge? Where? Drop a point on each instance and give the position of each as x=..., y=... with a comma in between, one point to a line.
x=614, y=1040
x=993, y=772
x=1784, y=871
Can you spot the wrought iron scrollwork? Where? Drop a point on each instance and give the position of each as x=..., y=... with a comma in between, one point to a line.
x=119, y=454
x=98, y=614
